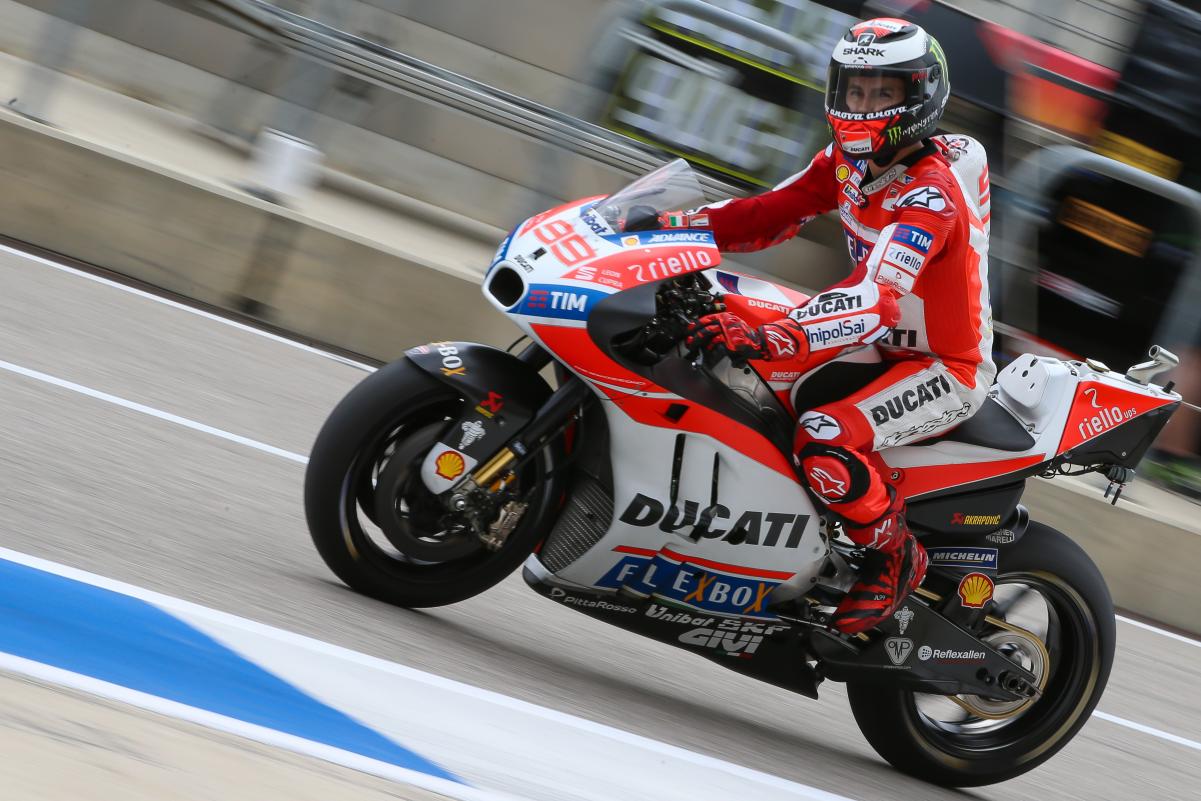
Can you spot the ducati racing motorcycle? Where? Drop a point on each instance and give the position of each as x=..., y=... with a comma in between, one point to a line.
x=653, y=488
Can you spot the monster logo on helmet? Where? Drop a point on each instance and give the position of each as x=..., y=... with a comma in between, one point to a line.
x=886, y=48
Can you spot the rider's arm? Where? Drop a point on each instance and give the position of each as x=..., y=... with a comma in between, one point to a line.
x=925, y=219
x=862, y=311
x=754, y=223
x=854, y=312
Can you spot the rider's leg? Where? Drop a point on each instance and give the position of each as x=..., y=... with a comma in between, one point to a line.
x=912, y=400
x=873, y=515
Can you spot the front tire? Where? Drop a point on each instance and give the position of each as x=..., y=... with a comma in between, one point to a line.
x=398, y=413
x=909, y=730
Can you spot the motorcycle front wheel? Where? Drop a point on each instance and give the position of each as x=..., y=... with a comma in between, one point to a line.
x=1046, y=587
x=372, y=519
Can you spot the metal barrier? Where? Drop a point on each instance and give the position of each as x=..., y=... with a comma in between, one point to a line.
x=382, y=66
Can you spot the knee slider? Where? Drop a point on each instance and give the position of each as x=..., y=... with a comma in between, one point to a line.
x=836, y=474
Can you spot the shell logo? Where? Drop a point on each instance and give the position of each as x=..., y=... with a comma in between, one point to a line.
x=975, y=590
x=843, y=172
x=449, y=465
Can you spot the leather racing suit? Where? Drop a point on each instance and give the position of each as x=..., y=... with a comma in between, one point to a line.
x=918, y=237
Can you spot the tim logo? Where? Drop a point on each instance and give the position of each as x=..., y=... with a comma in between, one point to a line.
x=552, y=301
x=568, y=301
x=914, y=237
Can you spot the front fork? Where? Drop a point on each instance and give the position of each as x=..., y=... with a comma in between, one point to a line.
x=479, y=495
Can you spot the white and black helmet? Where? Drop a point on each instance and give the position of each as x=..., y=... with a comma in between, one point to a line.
x=891, y=48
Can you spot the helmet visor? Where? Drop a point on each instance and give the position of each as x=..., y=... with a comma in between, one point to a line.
x=855, y=93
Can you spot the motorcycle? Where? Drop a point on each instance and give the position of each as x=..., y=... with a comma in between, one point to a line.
x=653, y=488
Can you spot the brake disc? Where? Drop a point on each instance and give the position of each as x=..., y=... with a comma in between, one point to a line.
x=1027, y=651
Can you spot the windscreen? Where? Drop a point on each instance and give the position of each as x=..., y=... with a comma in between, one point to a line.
x=672, y=187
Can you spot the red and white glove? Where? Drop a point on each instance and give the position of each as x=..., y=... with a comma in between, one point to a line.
x=847, y=316
x=770, y=342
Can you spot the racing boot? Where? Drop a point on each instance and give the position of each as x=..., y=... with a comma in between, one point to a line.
x=894, y=567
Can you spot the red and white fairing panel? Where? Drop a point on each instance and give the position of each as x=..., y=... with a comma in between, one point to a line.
x=761, y=528
x=1061, y=404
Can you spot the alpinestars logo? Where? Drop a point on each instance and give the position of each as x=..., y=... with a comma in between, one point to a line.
x=781, y=344
x=827, y=485
x=820, y=426
x=925, y=197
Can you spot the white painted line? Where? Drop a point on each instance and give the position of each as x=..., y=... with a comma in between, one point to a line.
x=157, y=413
x=1170, y=634
x=195, y=612
x=185, y=307
x=261, y=734
x=1161, y=734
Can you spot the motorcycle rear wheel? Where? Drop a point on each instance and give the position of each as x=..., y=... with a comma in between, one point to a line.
x=1080, y=634
x=390, y=548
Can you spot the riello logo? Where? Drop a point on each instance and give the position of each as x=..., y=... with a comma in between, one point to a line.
x=1103, y=418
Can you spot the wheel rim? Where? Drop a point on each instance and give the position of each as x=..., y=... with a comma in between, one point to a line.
x=1066, y=666
x=408, y=514
x=388, y=517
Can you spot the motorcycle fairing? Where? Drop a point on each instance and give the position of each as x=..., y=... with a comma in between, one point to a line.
x=1102, y=404
x=768, y=651
x=698, y=523
x=701, y=585
x=979, y=510
x=1067, y=408
x=501, y=394
x=930, y=654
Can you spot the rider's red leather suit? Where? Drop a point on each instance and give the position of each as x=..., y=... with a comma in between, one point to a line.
x=920, y=233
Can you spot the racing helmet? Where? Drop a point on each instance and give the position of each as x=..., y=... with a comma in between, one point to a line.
x=891, y=48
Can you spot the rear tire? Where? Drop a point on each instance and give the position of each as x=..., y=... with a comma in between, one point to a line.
x=967, y=753
x=391, y=411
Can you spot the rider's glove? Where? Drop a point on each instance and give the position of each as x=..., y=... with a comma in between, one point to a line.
x=725, y=331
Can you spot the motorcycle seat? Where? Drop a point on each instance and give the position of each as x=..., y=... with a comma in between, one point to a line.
x=991, y=427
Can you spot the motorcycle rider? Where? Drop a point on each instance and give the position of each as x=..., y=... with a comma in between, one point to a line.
x=915, y=211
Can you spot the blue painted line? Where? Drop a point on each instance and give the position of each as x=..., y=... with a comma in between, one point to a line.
x=125, y=641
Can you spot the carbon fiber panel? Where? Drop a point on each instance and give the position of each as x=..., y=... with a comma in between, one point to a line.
x=587, y=517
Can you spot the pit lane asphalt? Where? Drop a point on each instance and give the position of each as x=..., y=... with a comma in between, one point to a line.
x=142, y=500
